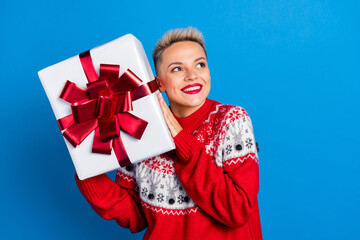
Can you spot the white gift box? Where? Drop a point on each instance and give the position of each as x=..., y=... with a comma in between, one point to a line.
x=126, y=51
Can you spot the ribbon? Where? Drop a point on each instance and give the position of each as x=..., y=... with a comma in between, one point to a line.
x=104, y=108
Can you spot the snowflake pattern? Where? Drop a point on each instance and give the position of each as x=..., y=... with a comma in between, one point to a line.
x=144, y=191
x=228, y=149
x=160, y=197
x=201, y=138
x=249, y=143
x=234, y=115
x=180, y=199
x=162, y=163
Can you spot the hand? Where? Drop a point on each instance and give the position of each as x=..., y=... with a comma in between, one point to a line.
x=170, y=120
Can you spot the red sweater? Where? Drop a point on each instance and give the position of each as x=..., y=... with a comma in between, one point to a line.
x=205, y=189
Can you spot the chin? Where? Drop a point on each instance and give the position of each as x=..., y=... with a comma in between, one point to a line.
x=195, y=102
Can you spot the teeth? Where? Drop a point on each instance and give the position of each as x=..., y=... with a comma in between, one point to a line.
x=192, y=89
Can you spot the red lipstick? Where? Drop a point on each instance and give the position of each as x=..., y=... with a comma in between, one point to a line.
x=192, y=88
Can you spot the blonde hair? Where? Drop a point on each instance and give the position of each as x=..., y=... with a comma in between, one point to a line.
x=176, y=35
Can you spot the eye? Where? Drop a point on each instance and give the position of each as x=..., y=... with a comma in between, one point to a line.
x=200, y=65
x=176, y=69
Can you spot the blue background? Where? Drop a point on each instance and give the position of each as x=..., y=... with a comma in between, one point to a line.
x=293, y=65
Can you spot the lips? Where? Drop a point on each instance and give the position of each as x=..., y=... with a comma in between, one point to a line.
x=192, y=88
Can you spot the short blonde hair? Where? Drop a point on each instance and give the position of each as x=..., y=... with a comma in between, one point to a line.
x=176, y=35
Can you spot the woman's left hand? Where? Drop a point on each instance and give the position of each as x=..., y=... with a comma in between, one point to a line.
x=170, y=120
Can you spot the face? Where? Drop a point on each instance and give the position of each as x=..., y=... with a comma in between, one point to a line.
x=184, y=76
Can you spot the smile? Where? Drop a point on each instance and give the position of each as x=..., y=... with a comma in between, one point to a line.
x=192, y=89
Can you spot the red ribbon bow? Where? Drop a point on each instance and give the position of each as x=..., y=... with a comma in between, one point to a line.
x=104, y=107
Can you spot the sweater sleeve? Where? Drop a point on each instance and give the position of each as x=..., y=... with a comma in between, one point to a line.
x=228, y=193
x=117, y=201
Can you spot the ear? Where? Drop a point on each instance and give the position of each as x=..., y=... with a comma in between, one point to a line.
x=159, y=83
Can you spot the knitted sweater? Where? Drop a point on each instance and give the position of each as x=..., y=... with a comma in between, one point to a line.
x=205, y=189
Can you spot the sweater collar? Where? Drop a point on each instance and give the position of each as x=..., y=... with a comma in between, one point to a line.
x=193, y=121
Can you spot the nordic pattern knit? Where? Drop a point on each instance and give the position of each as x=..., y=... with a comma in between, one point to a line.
x=205, y=189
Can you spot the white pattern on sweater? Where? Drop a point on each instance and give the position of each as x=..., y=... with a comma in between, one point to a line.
x=227, y=134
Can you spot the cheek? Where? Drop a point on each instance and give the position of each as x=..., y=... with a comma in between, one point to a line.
x=206, y=77
x=171, y=83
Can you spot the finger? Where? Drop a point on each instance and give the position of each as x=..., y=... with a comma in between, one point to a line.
x=173, y=124
x=165, y=109
x=163, y=105
x=174, y=129
x=170, y=120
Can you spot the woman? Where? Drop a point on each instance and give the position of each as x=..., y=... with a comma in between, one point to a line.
x=206, y=188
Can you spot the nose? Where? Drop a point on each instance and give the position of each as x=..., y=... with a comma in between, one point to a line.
x=190, y=74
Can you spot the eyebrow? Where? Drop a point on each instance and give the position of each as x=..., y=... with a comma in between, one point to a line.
x=174, y=63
